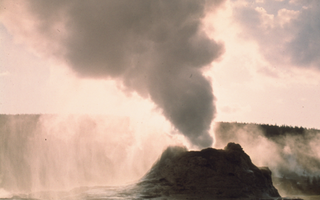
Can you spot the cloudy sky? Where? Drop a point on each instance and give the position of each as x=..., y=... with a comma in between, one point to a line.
x=234, y=60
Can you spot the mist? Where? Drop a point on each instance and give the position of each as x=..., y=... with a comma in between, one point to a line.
x=292, y=154
x=289, y=152
x=160, y=51
x=157, y=49
x=62, y=152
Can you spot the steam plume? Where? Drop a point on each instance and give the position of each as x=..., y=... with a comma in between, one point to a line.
x=156, y=48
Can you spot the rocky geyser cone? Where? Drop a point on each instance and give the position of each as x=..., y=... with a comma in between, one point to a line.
x=227, y=173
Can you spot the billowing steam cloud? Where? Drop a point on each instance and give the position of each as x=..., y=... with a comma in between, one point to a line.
x=156, y=48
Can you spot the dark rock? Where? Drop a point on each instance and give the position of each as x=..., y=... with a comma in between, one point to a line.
x=227, y=173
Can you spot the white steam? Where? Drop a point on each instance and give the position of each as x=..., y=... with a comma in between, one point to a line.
x=283, y=154
x=50, y=152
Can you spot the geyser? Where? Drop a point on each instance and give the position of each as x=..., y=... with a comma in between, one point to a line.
x=41, y=153
x=227, y=173
x=155, y=48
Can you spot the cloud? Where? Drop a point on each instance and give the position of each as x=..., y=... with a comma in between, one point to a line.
x=155, y=48
x=287, y=32
x=304, y=48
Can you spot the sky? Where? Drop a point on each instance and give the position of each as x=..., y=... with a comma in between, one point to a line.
x=233, y=60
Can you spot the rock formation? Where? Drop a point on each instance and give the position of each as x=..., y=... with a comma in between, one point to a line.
x=218, y=173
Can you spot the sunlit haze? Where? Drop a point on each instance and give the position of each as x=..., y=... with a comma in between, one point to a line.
x=93, y=93
x=259, y=77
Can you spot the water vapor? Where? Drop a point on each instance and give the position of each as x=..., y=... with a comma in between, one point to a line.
x=285, y=154
x=62, y=152
x=155, y=48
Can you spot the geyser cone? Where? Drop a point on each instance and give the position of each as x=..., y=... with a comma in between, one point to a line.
x=227, y=173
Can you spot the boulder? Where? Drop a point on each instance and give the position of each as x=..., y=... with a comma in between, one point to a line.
x=220, y=173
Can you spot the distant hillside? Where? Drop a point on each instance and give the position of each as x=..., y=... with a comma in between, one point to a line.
x=268, y=130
